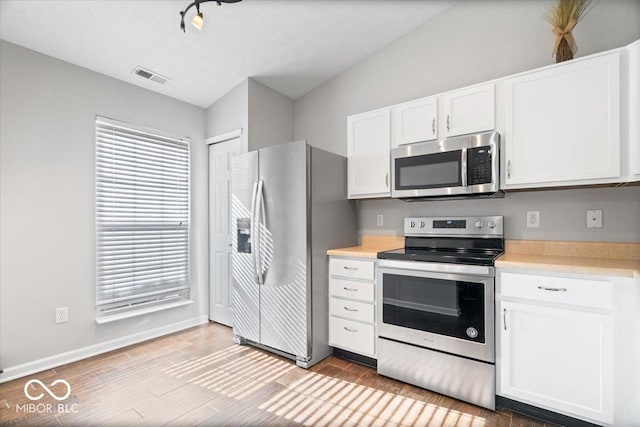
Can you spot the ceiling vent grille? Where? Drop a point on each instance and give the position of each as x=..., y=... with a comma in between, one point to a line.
x=145, y=73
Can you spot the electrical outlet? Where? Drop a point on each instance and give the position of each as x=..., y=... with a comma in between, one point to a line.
x=594, y=218
x=533, y=219
x=62, y=315
x=380, y=220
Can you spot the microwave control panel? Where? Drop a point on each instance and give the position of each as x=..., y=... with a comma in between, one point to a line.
x=479, y=165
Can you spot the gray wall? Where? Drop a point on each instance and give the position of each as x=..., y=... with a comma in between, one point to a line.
x=470, y=43
x=230, y=112
x=270, y=117
x=265, y=116
x=47, y=250
x=562, y=213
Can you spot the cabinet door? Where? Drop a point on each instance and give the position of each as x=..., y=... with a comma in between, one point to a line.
x=633, y=118
x=563, y=124
x=369, y=139
x=415, y=121
x=469, y=110
x=558, y=359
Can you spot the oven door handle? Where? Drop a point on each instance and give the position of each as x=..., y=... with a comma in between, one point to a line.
x=434, y=267
x=463, y=167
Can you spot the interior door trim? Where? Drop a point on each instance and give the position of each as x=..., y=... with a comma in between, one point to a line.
x=224, y=136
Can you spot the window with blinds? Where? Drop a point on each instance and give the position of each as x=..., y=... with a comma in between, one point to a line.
x=142, y=217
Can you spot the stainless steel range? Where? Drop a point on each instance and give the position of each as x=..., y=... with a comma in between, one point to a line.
x=436, y=306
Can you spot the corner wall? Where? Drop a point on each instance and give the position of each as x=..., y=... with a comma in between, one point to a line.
x=265, y=115
x=229, y=113
x=270, y=117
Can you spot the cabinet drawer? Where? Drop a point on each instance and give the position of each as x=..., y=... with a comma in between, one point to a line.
x=349, y=289
x=353, y=336
x=356, y=269
x=561, y=290
x=353, y=310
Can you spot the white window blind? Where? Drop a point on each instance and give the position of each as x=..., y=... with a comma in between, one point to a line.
x=142, y=217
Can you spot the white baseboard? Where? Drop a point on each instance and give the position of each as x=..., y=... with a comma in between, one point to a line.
x=18, y=371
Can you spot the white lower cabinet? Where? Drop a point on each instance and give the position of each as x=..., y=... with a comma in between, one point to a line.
x=559, y=359
x=352, y=305
x=353, y=336
x=554, y=355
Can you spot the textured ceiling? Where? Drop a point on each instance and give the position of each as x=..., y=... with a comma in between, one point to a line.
x=291, y=46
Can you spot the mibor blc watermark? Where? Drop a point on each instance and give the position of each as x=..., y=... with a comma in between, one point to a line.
x=35, y=390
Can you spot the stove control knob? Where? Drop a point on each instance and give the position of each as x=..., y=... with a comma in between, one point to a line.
x=412, y=224
x=479, y=224
x=422, y=224
x=492, y=224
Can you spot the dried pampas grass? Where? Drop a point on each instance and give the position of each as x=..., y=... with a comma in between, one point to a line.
x=564, y=16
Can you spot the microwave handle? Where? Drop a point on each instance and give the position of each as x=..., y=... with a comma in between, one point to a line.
x=463, y=167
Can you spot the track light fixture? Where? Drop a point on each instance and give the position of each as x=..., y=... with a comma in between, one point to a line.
x=198, y=19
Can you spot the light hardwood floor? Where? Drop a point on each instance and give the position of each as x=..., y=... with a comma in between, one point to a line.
x=200, y=377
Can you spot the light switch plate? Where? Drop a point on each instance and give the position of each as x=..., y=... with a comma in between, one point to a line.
x=594, y=218
x=380, y=220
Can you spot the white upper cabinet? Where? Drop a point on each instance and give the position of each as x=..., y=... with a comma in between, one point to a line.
x=569, y=124
x=469, y=110
x=415, y=121
x=562, y=124
x=368, y=147
x=634, y=110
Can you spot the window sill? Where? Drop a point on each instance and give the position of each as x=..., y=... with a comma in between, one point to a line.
x=141, y=312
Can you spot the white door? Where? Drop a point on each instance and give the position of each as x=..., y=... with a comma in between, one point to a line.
x=558, y=359
x=469, y=110
x=369, y=161
x=563, y=124
x=220, y=278
x=415, y=121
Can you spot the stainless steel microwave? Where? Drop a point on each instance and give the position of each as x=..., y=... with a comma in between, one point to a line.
x=461, y=166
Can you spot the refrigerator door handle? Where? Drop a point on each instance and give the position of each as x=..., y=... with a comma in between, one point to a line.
x=252, y=227
x=260, y=222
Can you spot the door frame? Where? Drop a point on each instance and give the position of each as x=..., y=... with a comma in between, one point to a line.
x=217, y=139
x=236, y=133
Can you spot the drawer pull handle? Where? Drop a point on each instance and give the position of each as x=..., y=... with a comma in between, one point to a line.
x=350, y=309
x=350, y=330
x=350, y=289
x=543, y=288
x=504, y=318
x=350, y=268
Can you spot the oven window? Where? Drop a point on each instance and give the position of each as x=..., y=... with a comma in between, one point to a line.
x=444, y=307
x=429, y=171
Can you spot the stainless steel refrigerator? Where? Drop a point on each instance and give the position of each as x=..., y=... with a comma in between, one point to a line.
x=289, y=205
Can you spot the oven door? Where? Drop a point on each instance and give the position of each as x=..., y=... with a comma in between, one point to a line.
x=447, y=311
